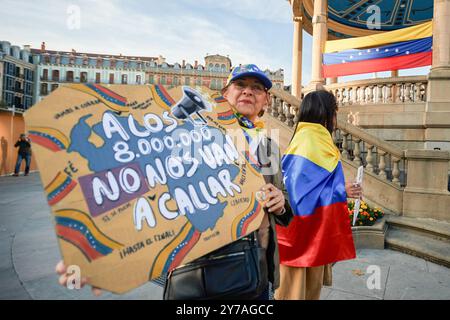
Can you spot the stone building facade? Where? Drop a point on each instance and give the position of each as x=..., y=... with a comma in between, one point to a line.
x=212, y=74
x=57, y=67
x=31, y=74
x=17, y=76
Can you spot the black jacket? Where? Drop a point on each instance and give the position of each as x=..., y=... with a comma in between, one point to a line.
x=269, y=157
x=24, y=147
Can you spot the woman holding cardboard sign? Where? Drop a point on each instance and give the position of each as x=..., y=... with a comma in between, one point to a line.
x=247, y=92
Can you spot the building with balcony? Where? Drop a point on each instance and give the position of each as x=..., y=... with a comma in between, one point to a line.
x=55, y=68
x=212, y=74
x=17, y=76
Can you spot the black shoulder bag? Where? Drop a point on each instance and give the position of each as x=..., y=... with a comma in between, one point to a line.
x=236, y=271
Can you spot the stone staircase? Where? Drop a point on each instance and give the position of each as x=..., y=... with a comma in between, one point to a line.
x=424, y=238
x=416, y=205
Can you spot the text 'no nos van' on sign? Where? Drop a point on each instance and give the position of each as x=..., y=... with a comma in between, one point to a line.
x=142, y=179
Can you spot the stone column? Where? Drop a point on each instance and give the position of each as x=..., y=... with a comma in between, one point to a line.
x=426, y=194
x=297, y=58
x=437, y=118
x=320, y=34
x=441, y=35
x=394, y=74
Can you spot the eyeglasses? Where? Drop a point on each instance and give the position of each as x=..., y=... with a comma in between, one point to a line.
x=256, y=88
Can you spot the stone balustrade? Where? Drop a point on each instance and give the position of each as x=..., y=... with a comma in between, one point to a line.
x=283, y=107
x=356, y=145
x=380, y=91
x=377, y=156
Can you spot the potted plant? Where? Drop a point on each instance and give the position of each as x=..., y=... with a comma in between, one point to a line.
x=367, y=215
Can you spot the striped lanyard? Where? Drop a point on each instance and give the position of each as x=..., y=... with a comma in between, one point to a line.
x=252, y=131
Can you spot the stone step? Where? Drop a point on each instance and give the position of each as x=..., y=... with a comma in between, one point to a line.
x=419, y=245
x=438, y=230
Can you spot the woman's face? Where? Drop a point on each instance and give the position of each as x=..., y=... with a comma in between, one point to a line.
x=248, y=96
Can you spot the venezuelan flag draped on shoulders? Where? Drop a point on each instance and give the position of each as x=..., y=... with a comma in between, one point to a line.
x=320, y=232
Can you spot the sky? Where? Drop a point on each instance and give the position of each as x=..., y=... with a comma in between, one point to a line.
x=248, y=31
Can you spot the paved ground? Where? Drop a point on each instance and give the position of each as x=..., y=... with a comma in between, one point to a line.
x=29, y=253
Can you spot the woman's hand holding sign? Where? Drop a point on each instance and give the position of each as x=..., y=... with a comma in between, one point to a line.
x=354, y=190
x=275, y=199
x=61, y=269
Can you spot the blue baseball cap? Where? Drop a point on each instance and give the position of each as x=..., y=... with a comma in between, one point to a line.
x=249, y=70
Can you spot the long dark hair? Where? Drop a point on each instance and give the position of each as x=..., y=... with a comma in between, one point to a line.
x=318, y=107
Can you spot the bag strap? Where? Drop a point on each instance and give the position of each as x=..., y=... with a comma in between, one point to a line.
x=252, y=237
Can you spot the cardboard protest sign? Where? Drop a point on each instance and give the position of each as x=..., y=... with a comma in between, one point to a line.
x=141, y=179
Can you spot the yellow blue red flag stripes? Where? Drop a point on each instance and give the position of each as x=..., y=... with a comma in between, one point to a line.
x=400, y=49
x=419, y=31
x=320, y=232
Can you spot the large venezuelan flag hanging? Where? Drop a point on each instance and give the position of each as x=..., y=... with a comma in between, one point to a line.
x=400, y=49
x=320, y=232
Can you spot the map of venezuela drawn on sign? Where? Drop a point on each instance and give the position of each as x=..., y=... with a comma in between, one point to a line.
x=141, y=179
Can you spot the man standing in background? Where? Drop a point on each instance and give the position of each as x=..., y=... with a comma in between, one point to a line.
x=24, y=153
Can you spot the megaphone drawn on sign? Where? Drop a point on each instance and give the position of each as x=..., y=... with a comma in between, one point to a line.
x=191, y=103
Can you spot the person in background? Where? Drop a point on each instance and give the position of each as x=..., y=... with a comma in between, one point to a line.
x=320, y=232
x=24, y=153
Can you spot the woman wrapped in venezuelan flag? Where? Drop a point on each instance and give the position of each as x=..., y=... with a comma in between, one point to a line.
x=320, y=233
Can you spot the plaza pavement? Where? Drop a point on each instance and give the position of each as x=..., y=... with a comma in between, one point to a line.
x=29, y=253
